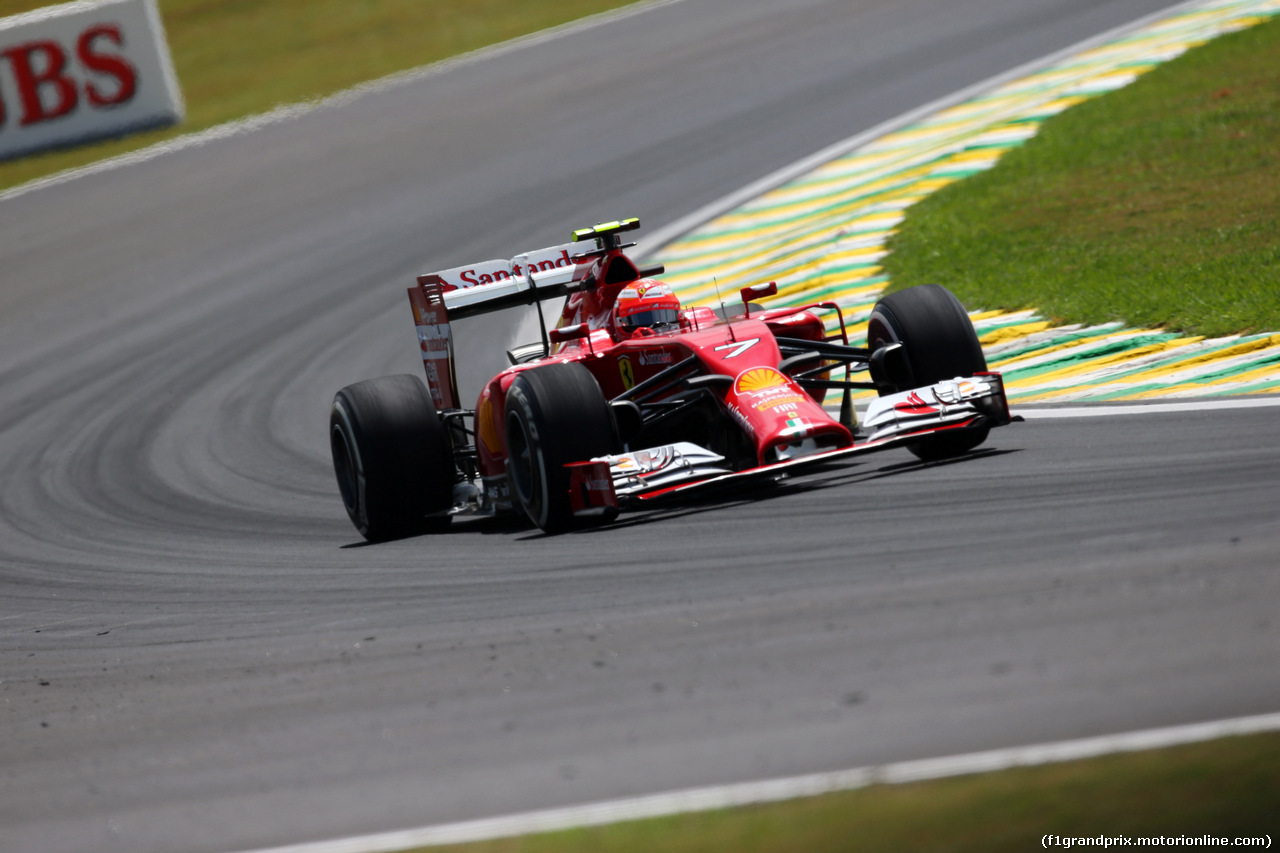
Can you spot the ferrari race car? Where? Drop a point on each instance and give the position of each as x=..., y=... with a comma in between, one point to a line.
x=634, y=399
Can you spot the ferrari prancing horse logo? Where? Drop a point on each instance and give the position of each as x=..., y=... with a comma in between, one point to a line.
x=628, y=373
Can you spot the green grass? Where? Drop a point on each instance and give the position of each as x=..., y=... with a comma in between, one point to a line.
x=1228, y=787
x=1157, y=205
x=240, y=57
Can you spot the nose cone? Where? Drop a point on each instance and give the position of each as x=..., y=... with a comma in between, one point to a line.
x=782, y=419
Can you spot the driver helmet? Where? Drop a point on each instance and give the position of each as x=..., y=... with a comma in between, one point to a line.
x=647, y=304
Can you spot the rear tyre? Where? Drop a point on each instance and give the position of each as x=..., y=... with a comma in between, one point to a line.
x=391, y=457
x=554, y=415
x=940, y=343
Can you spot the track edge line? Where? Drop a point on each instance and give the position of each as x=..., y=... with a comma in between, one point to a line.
x=776, y=790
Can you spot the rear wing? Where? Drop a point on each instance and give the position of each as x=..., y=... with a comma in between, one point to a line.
x=481, y=288
x=494, y=285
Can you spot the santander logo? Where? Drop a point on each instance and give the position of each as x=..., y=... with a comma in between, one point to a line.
x=492, y=272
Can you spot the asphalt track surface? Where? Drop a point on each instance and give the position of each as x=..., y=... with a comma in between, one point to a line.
x=196, y=653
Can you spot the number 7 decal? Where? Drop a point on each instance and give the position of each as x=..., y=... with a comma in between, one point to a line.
x=738, y=347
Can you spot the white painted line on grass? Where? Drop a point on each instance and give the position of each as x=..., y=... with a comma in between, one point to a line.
x=1102, y=410
x=776, y=790
x=291, y=111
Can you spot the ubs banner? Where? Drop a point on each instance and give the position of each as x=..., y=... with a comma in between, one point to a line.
x=83, y=70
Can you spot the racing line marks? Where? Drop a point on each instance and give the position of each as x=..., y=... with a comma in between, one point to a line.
x=820, y=225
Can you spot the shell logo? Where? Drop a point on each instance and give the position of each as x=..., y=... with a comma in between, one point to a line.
x=758, y=379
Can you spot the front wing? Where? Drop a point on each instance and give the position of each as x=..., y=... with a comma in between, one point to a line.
x=678, y=470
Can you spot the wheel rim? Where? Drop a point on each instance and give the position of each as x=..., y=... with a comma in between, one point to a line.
x=520, y=452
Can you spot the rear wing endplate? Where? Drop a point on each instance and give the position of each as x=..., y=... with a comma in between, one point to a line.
x=435, y=339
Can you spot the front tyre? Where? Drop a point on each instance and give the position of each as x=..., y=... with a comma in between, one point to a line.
x=554, y=415
x=940, y=343
x=391, y=457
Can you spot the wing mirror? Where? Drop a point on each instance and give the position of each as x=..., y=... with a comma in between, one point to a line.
x=572, y=333
x=569, y=333
x=757, y=291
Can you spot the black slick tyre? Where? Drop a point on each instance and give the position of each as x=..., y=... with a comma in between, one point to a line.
x=391, y=457
x=554, y=414
x=940, y=343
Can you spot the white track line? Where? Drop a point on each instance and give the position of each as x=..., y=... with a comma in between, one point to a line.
x=291, y=111
x=1102, y=410
x=667, y=234
x=775, y=790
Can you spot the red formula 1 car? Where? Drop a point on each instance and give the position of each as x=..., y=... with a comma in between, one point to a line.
x=633, y=398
